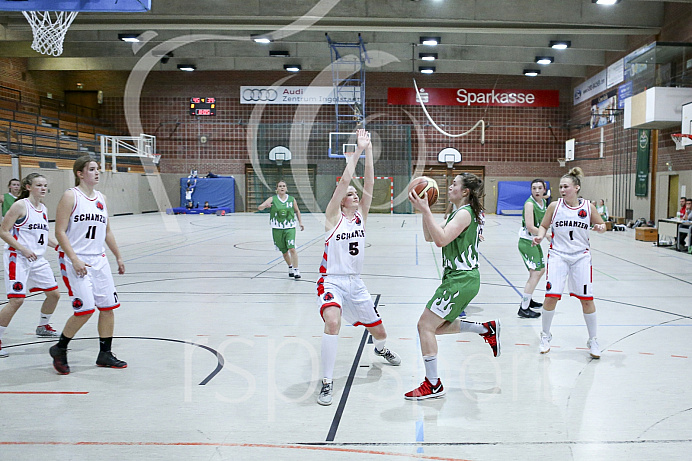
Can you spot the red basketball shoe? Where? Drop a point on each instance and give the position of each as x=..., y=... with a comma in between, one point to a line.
x=426, y=391
x=492, y=337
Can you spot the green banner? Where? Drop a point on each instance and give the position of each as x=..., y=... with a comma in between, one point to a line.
x=641, y=186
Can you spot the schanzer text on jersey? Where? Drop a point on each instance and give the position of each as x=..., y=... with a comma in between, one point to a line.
x=90, y=217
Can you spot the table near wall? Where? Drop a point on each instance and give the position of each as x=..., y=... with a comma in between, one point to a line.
x=668, y=228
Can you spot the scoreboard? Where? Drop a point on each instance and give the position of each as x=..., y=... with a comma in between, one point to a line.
x=202, y=106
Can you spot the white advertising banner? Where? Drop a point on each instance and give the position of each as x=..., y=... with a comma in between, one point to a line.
x=591, y=87
x=616, y=73
x=297, y=95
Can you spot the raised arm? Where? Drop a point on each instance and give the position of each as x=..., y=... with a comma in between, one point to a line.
x=333, y=211
x=369, y=181
x=435, y=232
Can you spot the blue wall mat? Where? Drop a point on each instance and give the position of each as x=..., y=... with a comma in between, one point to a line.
x=219, y=192
x=511, y=196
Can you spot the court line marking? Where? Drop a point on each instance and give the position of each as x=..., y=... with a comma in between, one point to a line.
x=220, y=359
x=349, y=381
x=44, y=392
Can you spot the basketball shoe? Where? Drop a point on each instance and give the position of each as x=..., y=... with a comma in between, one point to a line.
x=388, y=355
x=325, y=397
x=59, y=360
x=594, y=348
x=528, y=313
x=296, y=273
x=3, y=352
x=107, y=359
x=426, y=391
x=535, y=305
x=46, y=331
x=544, y=347
x=290, y=272
x=492, y=337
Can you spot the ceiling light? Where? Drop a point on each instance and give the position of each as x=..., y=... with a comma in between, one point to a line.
x=560, y=44
x=279, y=54
x=531, y=72
x=260, y=39
x=427, y=70
x=544, y=60
x=427, y=56
x=430, y=41
x=129, y=38
x=605, y=2
x=292, y=67
x=187, y=67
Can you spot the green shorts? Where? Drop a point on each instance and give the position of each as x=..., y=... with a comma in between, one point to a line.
x=532, y=255
x=284, y=239
x=455, y=292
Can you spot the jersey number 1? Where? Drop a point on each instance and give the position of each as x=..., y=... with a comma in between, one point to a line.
x=91, y=233
x=571, y=235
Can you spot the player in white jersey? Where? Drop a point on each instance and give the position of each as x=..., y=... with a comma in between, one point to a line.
x=82, y=228
x=25, y=232
x=340, y=290
x=569, y=257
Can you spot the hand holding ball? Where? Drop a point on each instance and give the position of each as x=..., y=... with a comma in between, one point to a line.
x=424, y=186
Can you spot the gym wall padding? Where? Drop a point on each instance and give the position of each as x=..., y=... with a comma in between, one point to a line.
x=511, y=196
x=219, y=192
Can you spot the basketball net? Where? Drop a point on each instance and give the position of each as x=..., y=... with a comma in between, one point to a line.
x=681, y=140
x=49, y=28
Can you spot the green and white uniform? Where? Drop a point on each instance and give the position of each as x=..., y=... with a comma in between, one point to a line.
x=7, y=202
x=532, y=255
x=282, y=218
x=461, y=279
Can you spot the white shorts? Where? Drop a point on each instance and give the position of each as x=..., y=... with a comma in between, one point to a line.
x=20, y=274
x=349, y=293
x=576, y=268
x=95, y=290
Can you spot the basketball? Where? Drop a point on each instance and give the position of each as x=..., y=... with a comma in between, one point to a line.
x=426, y=186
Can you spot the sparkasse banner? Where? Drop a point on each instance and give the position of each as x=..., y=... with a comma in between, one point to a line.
x=474, y=97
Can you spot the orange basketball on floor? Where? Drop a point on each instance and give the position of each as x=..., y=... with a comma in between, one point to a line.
x=426, y=186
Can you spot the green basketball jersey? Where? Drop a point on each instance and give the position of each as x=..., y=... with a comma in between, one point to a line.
x=538, y=213
x=7, y=202
x=461, y=254
x=281, y=214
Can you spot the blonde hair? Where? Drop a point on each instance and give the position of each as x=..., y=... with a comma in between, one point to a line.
x=575, y=174
x=79, y=165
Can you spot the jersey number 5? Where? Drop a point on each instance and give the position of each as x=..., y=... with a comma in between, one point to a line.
x=353, y=248
x=91, y=233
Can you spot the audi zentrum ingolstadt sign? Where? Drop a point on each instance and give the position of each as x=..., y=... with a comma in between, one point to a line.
x=297, y=95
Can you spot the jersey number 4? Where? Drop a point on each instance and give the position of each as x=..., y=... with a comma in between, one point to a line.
x=353, y=248
x=40, y=239
x=91, y=233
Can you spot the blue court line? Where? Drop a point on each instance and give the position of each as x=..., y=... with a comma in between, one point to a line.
x=501, y=274
x=420, y=434
x=306, y=243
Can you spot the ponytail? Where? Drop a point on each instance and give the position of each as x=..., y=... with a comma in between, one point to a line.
x=476, y=192
x=575, y=174
x=28, y=181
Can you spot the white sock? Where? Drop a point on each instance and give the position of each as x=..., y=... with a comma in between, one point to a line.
x=379, y=344
x=329, y=344
x=44, y=320
x=472, y=327
x=290, y=268
x=296, y=271
x=431, y=368
x=547, y=320
x=2, y=331
x=525, y=300
x=591, y=324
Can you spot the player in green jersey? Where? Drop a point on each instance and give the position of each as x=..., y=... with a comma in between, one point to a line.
x=282, y=217
x=10, y=197
x=531, y=217
x=458, y=237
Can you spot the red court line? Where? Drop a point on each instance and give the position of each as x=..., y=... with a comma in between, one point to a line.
x=521, y=344
x=406, y=339
x=261, y=336
x=463, y=341
x=646, y=353
x=613, y=350
x=679, y=356
x=582, y=348
x=43, y=393
x=242, y=445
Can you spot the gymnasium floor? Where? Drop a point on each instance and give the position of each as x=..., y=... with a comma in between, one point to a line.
x=223, y=353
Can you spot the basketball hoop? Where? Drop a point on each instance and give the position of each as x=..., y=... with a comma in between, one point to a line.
x=49, y=28
x=681, y=140
x=156, y=159
x=562, y=162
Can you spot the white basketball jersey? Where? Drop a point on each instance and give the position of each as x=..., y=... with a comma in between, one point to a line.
x=32, y=231
x=344, y=246
x=86, y=230
x=570, y=227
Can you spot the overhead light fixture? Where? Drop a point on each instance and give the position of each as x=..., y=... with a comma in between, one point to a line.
x=560, y=44
x=427, y=56
x=129, y=38
x=261, y=39
x=544, y=60
x=426, y=70
x=292, y=67
x=430, y=41
x=531, y=72
x=279, y=54
x=187, y=67
x=605, y=2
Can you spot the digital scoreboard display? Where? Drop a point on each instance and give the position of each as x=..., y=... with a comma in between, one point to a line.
x=202, y=106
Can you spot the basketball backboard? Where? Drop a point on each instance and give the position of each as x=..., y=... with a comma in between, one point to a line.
x=569, y=149
x=450, y=156
x=94, y=6
x=341, y=144
x=686, y=118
